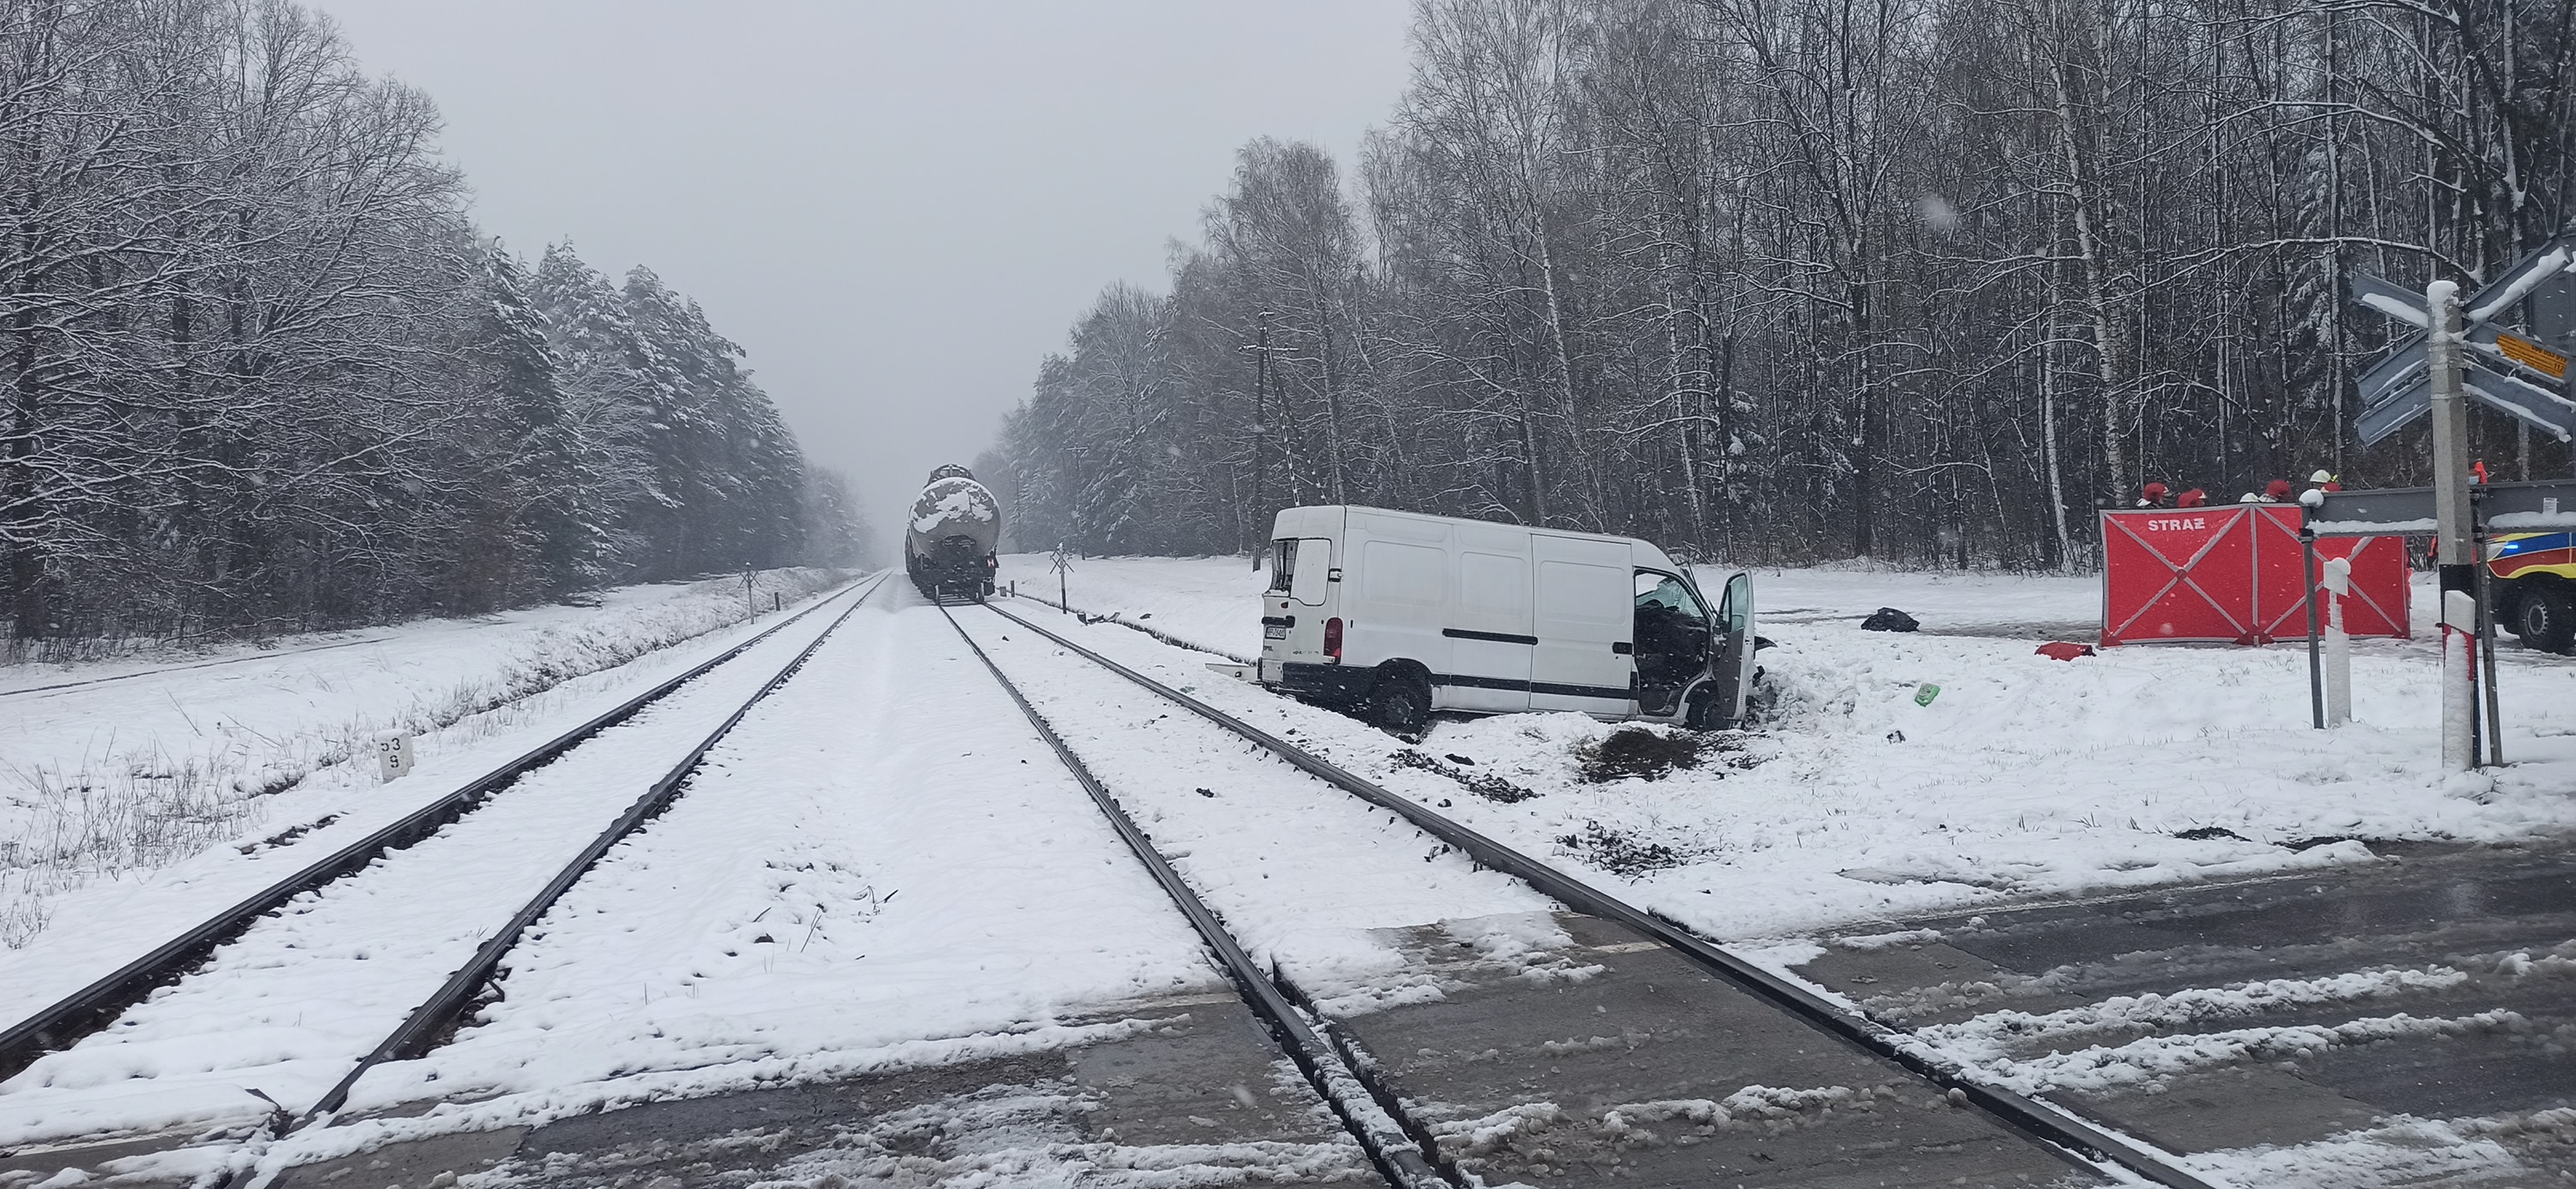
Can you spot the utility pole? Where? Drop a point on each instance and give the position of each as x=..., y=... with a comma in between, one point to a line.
x=2452, y=545
x=1260, y=389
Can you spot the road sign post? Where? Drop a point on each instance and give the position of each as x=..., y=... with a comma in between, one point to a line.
x=2459, y=352
x=2450, y=417
x=2517, y=376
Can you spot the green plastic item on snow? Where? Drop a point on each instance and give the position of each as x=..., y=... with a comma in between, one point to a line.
x=1924, y=695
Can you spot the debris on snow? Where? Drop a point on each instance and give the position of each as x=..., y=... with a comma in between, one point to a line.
x=1483, y=784
x=1647, y=753
x=1889, y=619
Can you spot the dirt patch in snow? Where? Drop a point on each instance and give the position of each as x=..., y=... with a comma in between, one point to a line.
x=1483, y=784
x=1621, y=854
x=1647, y=754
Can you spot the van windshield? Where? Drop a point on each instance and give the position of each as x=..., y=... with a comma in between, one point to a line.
x=1283, y=564
x=1667, y=593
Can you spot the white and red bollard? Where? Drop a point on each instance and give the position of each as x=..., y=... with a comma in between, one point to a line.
x=2337, y=646
x=2459, y=681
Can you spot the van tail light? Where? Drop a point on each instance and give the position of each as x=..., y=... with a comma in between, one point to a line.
x=1333, y=637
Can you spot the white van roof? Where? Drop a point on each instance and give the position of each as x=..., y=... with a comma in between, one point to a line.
x=1326, y=520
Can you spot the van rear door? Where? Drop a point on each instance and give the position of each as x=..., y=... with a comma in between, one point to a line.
x=1583, y=618
x=1293, y=609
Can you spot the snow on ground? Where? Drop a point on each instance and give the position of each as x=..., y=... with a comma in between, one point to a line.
x=1302, y=873
x=118, y=915
x=2022, y=776
x=110, y=771
x=288, y=1007
x=2038, y=606
x=882, y=865
x=1206, y=601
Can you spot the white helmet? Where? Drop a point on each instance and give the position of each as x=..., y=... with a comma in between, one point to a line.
x=2321, y=476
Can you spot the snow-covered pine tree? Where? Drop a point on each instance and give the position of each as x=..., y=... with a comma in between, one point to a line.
x=553, y=496
x=611, y=399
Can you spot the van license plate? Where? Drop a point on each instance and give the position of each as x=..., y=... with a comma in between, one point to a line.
x=1274, y=631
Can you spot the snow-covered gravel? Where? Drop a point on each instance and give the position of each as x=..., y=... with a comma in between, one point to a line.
x=152, y=760
x=2023, y=775
x=1302, y=873
x=287, y=1008
x=882, y=866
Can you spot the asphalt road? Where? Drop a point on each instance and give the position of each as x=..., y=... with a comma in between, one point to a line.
x=2413, y=1020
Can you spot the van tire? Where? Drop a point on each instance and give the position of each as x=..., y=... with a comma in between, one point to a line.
x=1401, y=702
x=1702, y=715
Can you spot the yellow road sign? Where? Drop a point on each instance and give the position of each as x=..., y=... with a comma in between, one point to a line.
x=2532, y=355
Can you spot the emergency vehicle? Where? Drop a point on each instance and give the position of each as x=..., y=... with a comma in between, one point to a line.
x=2533, y=586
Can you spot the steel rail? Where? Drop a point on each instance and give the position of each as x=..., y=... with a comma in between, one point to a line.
x=165, y=670
x=94, y=1006
x=2034, y=1117
x=414, y=1035
x=1402, y=1159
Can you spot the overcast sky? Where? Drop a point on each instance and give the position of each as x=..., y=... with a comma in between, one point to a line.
x=896, y=207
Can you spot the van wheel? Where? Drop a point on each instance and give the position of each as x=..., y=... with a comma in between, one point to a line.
x=1400, y=703
x=1702, y=715
x=2543, y=620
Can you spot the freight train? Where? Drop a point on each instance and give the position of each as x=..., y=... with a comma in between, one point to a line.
x=949, y=541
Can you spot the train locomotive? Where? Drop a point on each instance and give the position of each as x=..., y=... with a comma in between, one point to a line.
x=949, y=541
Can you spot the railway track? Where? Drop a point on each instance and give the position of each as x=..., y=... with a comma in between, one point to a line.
x=1629, y=1064
x=281, y=654
x=584, y=775
x=1412, y=1149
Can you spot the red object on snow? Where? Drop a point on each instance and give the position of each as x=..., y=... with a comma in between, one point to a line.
x=2062, y=650
x=2233, y=574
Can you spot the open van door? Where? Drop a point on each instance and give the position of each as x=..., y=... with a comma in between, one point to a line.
x=1731, y=663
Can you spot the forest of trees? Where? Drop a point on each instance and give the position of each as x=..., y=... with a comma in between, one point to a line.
x=261, y=371
x=1778, y=280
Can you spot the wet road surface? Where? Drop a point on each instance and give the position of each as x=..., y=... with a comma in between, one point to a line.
x=1627, y=1064
x=2406, y=1022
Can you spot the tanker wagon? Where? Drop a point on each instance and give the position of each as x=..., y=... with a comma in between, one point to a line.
x=948, y=542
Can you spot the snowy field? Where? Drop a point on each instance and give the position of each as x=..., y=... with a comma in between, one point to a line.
x=2024, y=776
x=883, y=868
x=111, y=771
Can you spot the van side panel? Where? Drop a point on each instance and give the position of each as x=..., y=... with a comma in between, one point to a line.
x=1396, y=611
x=1489, y=625
x=1584, y=618
x=1395, y=583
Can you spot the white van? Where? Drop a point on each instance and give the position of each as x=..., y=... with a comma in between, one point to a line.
x=1398, y=615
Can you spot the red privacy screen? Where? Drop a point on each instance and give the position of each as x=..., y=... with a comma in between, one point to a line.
x=2234, y=575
